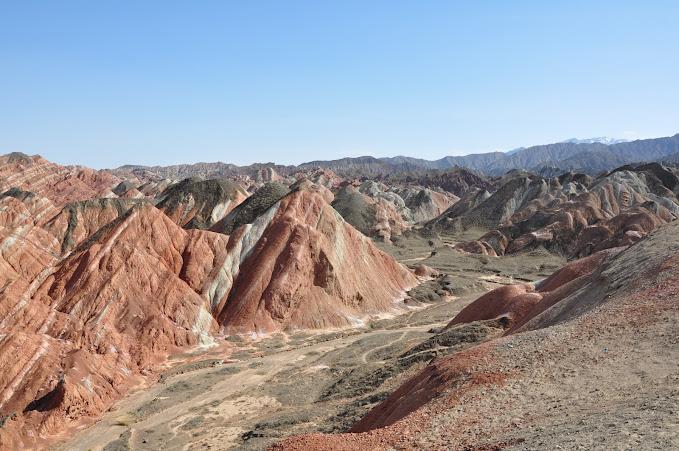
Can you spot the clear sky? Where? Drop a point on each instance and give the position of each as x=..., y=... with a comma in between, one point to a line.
x=105, y=83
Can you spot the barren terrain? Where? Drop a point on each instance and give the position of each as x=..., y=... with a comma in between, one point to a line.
x=287, y=384
x=272, y=388
x=543, y=315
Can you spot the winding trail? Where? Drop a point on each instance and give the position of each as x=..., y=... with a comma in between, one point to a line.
x=370, y=351
x=237, y=403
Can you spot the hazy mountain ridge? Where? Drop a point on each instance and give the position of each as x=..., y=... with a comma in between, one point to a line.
x=589, y=155
x=366, y=164
x=606, y=156
x=216, y=169
x=601, y=139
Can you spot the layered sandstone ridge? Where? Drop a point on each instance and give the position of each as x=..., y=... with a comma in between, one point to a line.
x=198, y=204
x=308, y=269
x=381, y=211
x=96, y=292
x=48, y=180
x=571, y=214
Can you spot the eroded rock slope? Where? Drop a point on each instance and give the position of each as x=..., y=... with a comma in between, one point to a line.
x=590, y=361
x=95, y=295
x=570, y=214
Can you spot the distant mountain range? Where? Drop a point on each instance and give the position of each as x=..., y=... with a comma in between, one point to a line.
x=601, y=140
x=590, y=156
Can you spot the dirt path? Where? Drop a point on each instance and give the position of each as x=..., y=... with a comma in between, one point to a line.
x=168, y=413
x=415, y=259
x=370, y=351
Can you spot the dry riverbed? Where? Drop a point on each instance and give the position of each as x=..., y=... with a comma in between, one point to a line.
x=288, y=384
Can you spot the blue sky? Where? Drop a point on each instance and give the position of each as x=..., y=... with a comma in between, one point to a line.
x=105, y=83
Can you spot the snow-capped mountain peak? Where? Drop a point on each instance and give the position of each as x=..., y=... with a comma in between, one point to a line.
x=601, y=139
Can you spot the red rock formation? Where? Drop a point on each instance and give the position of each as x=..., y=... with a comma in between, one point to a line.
x=268, y=175
x=79, y=221
x=577, y=269
x=310, y=269
x=621, y=295
x=325, y=177
x=133, y=194
x=421, y=204
x=88, y=323
x=522, y=301
x=511, y=301
x=153, y=189
x=23, y=207
x=388, y=221
x=442, y=202
x=413, y=204
x=566, y=216
x=52, y=181
x=426, y=271
x=93, y=298
x=308, y=185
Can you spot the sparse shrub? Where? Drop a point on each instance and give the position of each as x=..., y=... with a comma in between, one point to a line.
x=227, y=370
x=123, y=422
x=178, y=387
x=193, y=423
